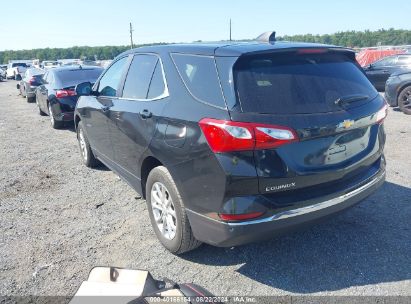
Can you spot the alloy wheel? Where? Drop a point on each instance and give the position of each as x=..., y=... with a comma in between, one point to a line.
x=51, y=115
x=163, y=210
x=83, y=145
x=406, y=99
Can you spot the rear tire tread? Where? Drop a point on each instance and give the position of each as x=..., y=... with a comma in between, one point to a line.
x=188, y=241
x=92, y=161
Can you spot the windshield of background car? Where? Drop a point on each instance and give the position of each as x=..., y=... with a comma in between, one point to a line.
x=19, y=64
x=290, y=83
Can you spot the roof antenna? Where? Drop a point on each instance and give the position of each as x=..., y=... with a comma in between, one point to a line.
x=267, y=37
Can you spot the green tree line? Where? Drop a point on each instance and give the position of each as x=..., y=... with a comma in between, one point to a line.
x=357, y=38
x=82, y=52
x=348, y=38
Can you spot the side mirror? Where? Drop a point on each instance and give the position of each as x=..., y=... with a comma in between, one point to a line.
x=370, y=67
x=83, y=89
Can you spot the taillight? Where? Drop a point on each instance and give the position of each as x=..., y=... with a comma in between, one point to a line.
x=382, y=114
x=65, y=93
x=225, y=136
x=240, y=217
x=32, y=80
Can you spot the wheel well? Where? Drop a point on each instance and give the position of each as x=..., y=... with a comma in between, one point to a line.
x=148, y=164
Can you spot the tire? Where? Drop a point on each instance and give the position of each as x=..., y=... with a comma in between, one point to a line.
x=54, y=123
x=22, y=93
x=404, y=100
x=30, y=99
x=89, y=160
x=40, y=111
x=182, y=240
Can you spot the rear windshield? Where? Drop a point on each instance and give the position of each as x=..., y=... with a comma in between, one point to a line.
x=50, y=63
x=19, y=64
x=78, y=75
x=294, y=83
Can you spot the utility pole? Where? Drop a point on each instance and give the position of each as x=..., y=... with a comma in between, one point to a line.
x=131, y=35
x=230, y=29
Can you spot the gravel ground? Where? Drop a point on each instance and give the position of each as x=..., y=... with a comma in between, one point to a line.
x=59, y=219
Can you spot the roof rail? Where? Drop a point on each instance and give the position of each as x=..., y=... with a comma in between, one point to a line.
x=267, y=37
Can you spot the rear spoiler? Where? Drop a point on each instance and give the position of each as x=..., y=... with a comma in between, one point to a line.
x=308, y=50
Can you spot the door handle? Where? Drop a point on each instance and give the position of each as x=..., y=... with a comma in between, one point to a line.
x=146, y=114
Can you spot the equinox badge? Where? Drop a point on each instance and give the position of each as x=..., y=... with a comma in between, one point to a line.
x=279, y=187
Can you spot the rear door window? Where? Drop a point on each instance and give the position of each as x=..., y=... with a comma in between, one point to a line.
x=292, y=83
x=157, y=84
x=139, y=76
x=199, y=74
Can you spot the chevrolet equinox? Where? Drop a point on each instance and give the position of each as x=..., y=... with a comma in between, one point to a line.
x=231, y=143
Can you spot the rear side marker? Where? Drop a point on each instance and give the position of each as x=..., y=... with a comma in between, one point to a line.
x=240, y=217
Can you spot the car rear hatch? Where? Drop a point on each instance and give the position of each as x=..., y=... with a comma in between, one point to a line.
x=322, y=116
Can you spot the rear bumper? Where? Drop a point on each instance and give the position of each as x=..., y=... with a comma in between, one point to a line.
x=65, y=116
x=31, y=91
x=63, y=108
x=225, y=234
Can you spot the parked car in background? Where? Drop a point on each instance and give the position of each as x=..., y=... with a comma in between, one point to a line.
x=56, y=96
x=49, y=64
x=379, y=71
x=2, y=74
x=16, y=69
x=233, y=143
x=398, y=91
x=31, y=80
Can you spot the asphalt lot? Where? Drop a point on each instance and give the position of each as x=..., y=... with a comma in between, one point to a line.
x=59, y=219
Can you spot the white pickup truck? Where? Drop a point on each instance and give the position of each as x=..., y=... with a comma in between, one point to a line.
x=14, y=69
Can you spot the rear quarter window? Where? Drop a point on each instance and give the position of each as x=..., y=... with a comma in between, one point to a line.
x=199, y=74
x=291, y=83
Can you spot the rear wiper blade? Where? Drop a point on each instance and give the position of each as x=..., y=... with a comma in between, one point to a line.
x=350, y=98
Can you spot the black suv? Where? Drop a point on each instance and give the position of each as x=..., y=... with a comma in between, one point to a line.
x=235, y=142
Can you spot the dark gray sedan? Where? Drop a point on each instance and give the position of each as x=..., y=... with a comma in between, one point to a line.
x=398, y=91
x=30, y=81
x=379, y=71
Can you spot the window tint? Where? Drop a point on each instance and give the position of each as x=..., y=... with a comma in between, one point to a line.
x=19, y=64
x=287, y=84
x=44, y=77
x=199, y=74
x=75, y=76
x=111, y=79
x=139, y=76
x=404, y=60
x=389, y=61
x=157, y=85
x=49, y=77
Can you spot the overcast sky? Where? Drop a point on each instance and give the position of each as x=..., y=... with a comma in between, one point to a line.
x=27, y=24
